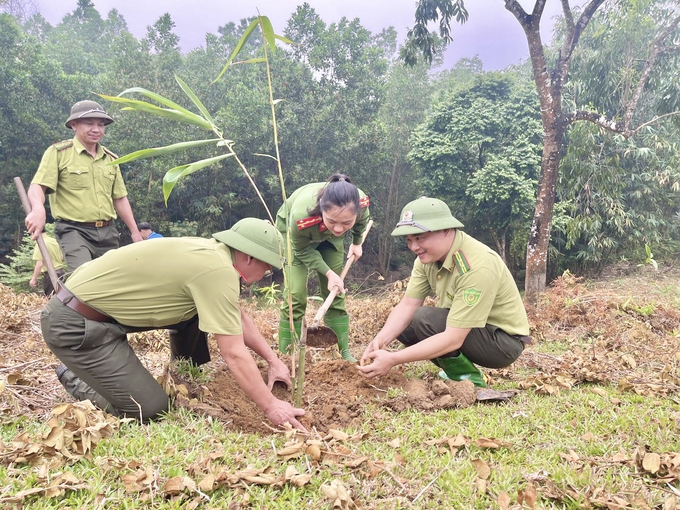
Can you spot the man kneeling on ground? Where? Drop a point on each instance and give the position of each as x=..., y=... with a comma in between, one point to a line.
x=479, y=317
x=194, y=290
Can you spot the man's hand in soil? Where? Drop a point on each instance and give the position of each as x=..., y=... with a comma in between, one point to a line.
x=278, y=371
x=381, y=363
x=281, y=412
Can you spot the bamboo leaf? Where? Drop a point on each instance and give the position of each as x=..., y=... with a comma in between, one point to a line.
x=156, y=97
x=190, y=93
x=251, y=60
x=173, y=175
x=268, y=31
x=159, y=151
x=283, y=39
x=240, y=44
x=277, y=101
x=133, y=104
x=265, y=156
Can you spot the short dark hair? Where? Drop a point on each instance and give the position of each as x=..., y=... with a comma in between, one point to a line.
x=144, y=225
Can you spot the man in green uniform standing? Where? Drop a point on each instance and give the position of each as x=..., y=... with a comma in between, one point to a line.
x=85, y=193
x=194, y=290
x=479, y=317
x=57, y=261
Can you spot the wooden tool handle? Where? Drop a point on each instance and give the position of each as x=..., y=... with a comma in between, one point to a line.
x=47, y=260
x=327, y=303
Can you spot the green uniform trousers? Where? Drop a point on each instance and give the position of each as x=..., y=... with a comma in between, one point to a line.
x=80, y=244
x=297, y=282
x=489, y=347
x=109, y=372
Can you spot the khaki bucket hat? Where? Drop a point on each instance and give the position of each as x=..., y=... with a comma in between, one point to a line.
x=254, y=237
x=88, y=110
x=425, y=215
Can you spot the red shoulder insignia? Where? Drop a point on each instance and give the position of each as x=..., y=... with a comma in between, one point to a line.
x=63, y=145
x=365, y=202
x=309, y=222
x=114, y=156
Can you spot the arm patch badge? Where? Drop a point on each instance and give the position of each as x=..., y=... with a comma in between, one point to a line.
x=471, y=296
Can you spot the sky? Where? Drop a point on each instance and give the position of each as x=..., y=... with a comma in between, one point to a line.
x=491, y=32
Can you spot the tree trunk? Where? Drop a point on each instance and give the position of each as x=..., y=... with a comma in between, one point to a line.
x=539, y=236
x=385, y=238
x=550, y=98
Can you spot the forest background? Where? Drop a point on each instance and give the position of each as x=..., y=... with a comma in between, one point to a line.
x=470, y=137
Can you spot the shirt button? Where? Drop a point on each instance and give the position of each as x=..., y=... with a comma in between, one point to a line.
x=439, y=277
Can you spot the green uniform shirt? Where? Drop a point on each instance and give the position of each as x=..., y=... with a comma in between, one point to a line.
x=54, y=251
x=304, y=241
x=475, y=284
x=80, y=188
x=164, y=283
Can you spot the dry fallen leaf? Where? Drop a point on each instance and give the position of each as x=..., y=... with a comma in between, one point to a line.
x=503, y=500
x=651, y=462
x=482, y=468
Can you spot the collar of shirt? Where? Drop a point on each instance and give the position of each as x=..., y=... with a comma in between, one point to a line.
x=449, y=263
x=81, y=148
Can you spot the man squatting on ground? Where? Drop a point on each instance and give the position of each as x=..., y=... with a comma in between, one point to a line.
x=195, y=291
x=479, y=317
x=85, y=193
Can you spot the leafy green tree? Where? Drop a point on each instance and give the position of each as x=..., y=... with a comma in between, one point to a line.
x=381, y=149
x=484, y=165
x=643, y=71
x=620, y=199
x=36, y=93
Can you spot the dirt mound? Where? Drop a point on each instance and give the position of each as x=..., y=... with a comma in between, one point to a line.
x=334, y=397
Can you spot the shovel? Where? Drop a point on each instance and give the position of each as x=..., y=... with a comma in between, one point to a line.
x=322, y=336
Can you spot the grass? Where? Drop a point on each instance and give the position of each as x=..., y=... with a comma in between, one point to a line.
x=572, y=437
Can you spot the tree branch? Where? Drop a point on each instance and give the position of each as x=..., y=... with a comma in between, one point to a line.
x=595, y=118
x=571, y=39
x=655, y=119
x=518, y=12
x=657, y=49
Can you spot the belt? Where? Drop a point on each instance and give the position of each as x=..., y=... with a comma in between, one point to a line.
x=65, y=296
x=96, y=224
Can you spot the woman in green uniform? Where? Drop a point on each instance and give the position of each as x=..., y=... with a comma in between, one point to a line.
x=318, y=215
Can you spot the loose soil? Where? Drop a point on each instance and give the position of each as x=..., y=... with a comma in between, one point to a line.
x=334, y=396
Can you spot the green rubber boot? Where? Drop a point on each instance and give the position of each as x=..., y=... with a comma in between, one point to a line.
x=340, y=326
x=285, y=336
x=460, y=369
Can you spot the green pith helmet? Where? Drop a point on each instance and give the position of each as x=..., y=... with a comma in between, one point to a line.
x=254, y=237
x=425, y=215
x=88, y=110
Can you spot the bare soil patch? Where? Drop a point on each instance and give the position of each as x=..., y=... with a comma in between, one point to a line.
x=334, y=397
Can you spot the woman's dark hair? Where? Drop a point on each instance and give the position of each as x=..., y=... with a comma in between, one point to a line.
x=339, y=192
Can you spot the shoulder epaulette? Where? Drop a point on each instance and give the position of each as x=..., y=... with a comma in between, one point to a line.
x=309, y=222
x=461, y=262
x=60, y=146
x=113, y=155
